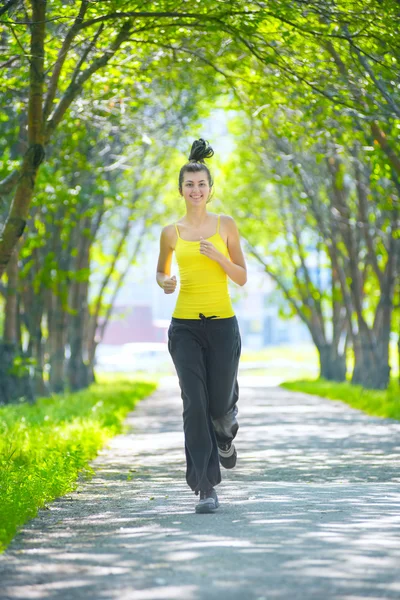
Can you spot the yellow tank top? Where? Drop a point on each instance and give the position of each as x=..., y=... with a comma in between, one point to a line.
x=203, y=282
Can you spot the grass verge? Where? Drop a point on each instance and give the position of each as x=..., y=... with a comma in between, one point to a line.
x=381, y=403
x=43, y=447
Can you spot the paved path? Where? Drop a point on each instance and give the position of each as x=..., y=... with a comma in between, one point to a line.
x=312, y=511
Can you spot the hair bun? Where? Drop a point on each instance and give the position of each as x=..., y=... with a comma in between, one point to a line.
x=200, y=150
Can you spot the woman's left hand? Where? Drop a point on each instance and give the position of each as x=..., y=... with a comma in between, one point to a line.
x=209, y=250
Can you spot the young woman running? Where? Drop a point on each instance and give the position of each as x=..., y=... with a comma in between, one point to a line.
x=203, y=337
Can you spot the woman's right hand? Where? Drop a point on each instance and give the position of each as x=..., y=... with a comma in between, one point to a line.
x=169, y=285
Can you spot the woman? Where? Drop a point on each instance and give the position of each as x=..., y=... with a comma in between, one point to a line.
x=203, y=337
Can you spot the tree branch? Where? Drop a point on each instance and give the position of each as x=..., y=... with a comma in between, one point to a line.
x=62, y=55
x=75, y=87
x=8, y=5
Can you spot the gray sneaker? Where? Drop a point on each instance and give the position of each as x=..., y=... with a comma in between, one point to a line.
x=227, y=455
x=208, y=501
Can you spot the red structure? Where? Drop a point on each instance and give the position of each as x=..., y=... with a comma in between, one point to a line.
x=133, y=324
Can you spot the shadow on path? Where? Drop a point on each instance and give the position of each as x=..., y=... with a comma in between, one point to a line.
x=311, y=511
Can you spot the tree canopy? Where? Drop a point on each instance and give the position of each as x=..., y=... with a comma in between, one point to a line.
x=99, y=103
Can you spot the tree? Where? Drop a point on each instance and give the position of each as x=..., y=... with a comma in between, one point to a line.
x=63, y=60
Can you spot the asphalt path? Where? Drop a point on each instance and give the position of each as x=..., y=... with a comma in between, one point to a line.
x=311, y=511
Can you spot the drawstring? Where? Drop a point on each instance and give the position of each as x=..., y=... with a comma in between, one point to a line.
x=204, y=318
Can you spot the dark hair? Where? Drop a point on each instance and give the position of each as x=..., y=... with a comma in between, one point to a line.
x=199, y=151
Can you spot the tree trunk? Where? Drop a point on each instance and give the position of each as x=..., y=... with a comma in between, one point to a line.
x=14, y=380
x=12, y=386
x=57, y=341
x=36, y=347
x=372, y=369
x=33, y=308
x=77, y=371
x=18, y=215
x=40, y=387
x=92, y=347
x=11, y=308
x=371, y=361
x=332, y=365
x=370, y=373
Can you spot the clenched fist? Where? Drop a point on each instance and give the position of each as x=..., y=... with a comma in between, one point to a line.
x=169, y=285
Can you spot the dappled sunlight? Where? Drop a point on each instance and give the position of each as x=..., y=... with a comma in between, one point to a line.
x=312, y=504
x=185, y=592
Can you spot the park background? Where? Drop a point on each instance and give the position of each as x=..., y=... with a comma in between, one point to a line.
x=100, y=105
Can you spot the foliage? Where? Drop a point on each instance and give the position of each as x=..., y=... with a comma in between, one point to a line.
x=44, y=447
x=123, y=88
x=381, y=403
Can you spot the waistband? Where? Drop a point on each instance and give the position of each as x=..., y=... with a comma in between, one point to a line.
x=203, y=319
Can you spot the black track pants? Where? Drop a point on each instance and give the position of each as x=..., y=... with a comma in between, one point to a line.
x=206, y=356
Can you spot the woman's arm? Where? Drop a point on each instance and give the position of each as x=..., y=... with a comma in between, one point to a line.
x=164, y=262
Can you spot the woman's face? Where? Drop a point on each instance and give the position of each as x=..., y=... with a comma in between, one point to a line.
x=195, y=188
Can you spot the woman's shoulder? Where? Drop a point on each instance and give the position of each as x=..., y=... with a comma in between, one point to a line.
x=169, y=228
x=227, y=222
x=226, y=218
x=168, y=233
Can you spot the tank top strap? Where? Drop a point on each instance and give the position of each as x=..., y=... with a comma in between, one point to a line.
x=177, y=230
x=218, y=224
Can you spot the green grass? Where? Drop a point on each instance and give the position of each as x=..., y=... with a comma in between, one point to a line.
x=293, y=362
x=296, y=353
x=305, y=355
x=288, y=361
x=45, y=446
x=381, y=403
